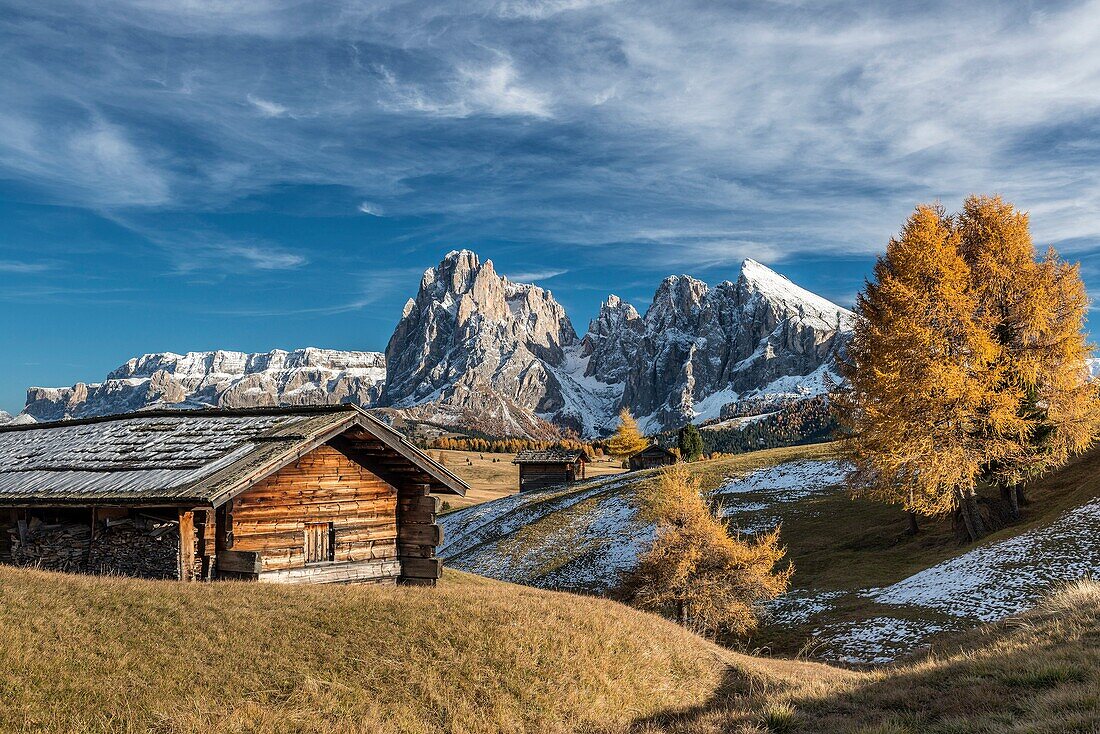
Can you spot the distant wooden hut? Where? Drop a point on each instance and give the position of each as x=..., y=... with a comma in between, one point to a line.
x=538, y=469
x=294, y=495
x=651, y=457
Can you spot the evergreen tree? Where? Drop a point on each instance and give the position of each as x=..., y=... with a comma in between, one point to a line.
x=628, y=440
x=924, y=379
x=691, y=443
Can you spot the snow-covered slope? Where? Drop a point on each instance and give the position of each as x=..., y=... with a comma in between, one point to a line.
x=986, y=584
x=220, y=378
x=5, y=417
x=585, y=537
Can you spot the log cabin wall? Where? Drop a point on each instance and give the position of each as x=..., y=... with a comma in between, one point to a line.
x=290, y=512
x=537, y=476
x=418, y=535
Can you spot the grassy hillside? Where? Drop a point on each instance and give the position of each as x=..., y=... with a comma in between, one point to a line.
x=99, y=654
x=85, y=654
x=854, y=559
x=492, y=476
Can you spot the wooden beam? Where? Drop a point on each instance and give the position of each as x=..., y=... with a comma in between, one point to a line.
x=187, y=545
x=420, y=534
x=421, y=568
x=240, y=561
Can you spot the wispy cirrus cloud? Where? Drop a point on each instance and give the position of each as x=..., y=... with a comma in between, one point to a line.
x=266, y=107
x=534, y=276
x=20, y=267
x=793, y=127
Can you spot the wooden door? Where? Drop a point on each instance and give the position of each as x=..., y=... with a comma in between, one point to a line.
x=319, y=542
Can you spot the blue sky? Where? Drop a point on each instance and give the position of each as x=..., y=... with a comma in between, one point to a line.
x=182, y=175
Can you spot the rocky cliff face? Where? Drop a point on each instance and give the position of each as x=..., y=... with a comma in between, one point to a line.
x=477, y=350
x=221, y=378
x=698, y=349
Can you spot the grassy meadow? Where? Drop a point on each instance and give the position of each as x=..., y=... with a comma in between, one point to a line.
x=491, y=476
x=86, y=654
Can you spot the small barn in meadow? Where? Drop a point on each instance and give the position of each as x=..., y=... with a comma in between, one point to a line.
x=293, y=495
x=652, y=456
x=538, y=469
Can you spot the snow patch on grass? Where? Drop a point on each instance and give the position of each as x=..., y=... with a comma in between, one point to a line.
x=875, y=641
x=788, y=482
x=1006, y=577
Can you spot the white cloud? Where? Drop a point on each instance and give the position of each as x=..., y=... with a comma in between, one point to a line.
x=497, y=89
x=266, y=107
x=790, y=126
x=372, y=209
x=261, y=258
x=15, y=266
x=536, y=275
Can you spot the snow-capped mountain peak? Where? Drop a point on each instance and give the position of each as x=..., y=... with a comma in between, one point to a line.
x=758, y=278
x=217, y=378
x=476, y=350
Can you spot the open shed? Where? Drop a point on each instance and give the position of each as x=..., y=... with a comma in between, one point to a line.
x=310, y=495
x=547, y=467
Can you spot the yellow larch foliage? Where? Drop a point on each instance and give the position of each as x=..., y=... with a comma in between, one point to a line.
x=628, y=440
x=967, y=363
x=1035, y=310
x=695, y=572
x=923, y=376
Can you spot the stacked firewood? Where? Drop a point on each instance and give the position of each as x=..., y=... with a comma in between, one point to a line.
x=140, y=546
x=54, y=547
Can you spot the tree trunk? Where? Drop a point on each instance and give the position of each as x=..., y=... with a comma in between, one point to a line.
x=1009, y=497
x=913, y=527
x=975, y=513
x=1021, y=499
x=967, y=512
x=1014, y=501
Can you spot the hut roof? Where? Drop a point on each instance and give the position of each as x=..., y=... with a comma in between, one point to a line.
x=179, y=457
x=550, y=456
x=655, y=450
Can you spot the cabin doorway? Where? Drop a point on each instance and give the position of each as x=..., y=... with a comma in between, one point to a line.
x=319, y=545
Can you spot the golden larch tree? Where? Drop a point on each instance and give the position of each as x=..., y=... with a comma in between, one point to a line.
x=697, y=573
x=628, y=440
x=923, y=379
x=1035, y=311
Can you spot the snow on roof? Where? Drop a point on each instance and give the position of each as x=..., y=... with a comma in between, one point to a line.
x=173, y=456
x=550, y=456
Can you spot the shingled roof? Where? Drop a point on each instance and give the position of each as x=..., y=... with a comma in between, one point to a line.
x=550, y=456
x=180, y=457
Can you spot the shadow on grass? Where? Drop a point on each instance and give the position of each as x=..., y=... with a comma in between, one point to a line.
x=1042, y=678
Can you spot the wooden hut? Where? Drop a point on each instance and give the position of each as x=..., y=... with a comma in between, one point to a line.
x=538, y=469
x=652, y=456
x=293, y=495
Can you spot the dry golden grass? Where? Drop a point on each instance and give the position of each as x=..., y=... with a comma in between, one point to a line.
x=83, y=654
x=490, y=480
x=1038, y=673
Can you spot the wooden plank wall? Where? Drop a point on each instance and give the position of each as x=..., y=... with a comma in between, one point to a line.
x=322, y=486
x=537, y=476
x=418, y=535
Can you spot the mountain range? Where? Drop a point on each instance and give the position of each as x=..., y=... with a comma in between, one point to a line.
x=474, y=350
